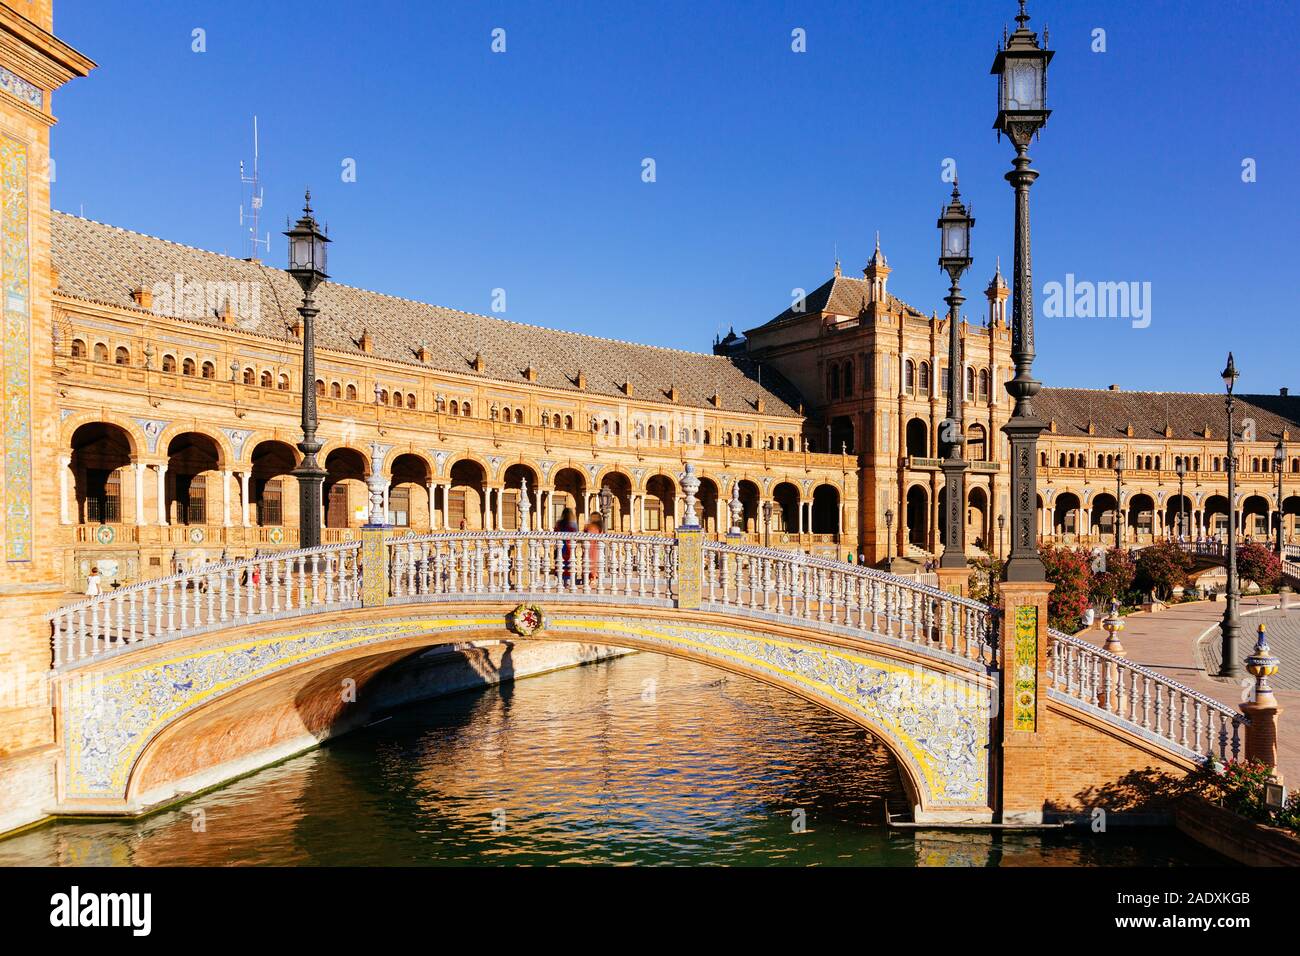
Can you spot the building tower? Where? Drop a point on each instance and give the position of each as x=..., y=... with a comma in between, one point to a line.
x=877, y=275
x=997, y=294
x=34, y=65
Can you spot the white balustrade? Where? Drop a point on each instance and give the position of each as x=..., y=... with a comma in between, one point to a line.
x=1177, y=716
x=216, y=595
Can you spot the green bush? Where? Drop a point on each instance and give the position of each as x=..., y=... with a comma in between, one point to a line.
x=1239, y=786
x=1161, y=568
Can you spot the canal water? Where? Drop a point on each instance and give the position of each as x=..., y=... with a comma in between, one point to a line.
x=637, y=760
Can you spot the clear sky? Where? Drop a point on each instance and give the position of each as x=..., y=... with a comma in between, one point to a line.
x=522, y=170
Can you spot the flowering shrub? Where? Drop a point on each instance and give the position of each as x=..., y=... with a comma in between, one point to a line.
x=1257, y=562
x=1239, y=786
x=1069, y=570
x=1162, y=567
x=1114, y=583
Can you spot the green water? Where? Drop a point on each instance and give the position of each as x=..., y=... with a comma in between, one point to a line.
x=641, y=759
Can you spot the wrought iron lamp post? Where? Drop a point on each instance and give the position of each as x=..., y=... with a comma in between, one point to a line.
x=1279, y=459
x=1002, y=523
x=955, y=223
x=1119, y=501
x=767, y=524
x=889, y=534
x=1180, y=466
x=1021, y=68
x=1230, y=628
x=307, y=256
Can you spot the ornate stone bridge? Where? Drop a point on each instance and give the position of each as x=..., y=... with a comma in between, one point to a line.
x=178, y=683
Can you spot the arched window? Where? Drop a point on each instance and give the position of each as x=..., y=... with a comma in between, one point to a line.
x=970, y=384
x=1042, y=459
x=749, y=441
x=1062, y=462
x=336, y=390
x=410, y=399
x=265, y=381
x=78, y=349
x=984, y=385
x=101, y=352
x=663, y=432
x=925, y=378
x=834, y=381
x=122, y=356
x=187, y=367
x=320, y=388
x=250, y=376
x=284, y=382
x=209, y=370
x=465, y=409
x=708, y=437
x=351, y=393
x=397, y=399
x=568, y=422
x=455, y=407
x=848, y=378
x=546, y=419
x=909, y=377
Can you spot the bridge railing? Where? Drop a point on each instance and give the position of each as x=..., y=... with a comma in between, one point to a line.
x=803, y=588
x=469, y=563
x=1142, y=699
x=282, y=584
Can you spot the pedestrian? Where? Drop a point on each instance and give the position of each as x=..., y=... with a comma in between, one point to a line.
x=594, y=525
x=92, y=583
x=566, y=525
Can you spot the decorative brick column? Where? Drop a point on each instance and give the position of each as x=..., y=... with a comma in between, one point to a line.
x=954, y=580
x=1020, y=765
x=1263, y=711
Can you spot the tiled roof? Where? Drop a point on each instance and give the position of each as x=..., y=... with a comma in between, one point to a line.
x=842, y=295
x=1186, y=413
x=104, y=264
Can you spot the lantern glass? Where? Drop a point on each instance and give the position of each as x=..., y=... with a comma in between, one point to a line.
x=1022, y=84
x=318, y=253
x=956, y=239
x=1279, y=454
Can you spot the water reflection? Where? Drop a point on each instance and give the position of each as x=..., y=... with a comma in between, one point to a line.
x=641, y=759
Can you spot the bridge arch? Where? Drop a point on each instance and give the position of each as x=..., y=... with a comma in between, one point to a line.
x=933, y=719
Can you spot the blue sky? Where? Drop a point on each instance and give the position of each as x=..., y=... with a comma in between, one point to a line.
x=522, y=170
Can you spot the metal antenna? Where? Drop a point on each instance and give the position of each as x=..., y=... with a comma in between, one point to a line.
x=250, y=214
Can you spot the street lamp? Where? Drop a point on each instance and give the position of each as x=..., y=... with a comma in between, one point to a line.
x=606, y=505
x=1119, y=500
x=307, y=255
x=1279, y=458
x=955, y=224
x=1180, y=466
x=1230, y=628
x=767, y=524
x=1021, y=68
x=1002, y=523
x=889, y=534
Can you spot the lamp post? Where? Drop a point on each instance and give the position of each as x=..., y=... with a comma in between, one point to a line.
x=1002, y=523
x=889, y=534
x=767, y=524
x=1021, y=68
x=955, y=223
x=307, y=266
x=1119, y=501
x=1279, y=458
x=1230, y=628
x=606, y=505
x=1180, y=466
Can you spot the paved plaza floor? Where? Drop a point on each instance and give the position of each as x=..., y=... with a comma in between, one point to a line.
x=1181, y=642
